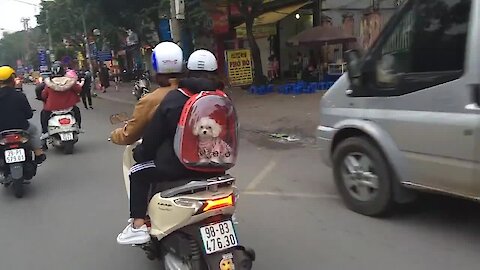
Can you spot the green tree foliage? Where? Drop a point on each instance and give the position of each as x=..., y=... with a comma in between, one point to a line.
x=20, y=45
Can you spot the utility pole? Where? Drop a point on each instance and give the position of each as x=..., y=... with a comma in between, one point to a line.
x=25, y=21
x=175, y=25
x=50, y=45
x=317, y=12
x=87, y=44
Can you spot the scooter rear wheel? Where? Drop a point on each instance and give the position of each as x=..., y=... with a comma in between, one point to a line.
x=68, y=148
x=18, y=189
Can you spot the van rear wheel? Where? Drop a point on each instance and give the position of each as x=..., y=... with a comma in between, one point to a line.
x=363, y=177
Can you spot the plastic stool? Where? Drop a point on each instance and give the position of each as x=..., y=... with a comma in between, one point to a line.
x=311, y=88
x=270, y=88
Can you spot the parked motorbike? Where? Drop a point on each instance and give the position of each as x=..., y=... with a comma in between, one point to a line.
x=191, y=221
x=17, y=164
x=142, y=86
x=63, y=131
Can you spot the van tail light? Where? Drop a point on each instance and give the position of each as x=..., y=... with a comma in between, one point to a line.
x=13, y=139
x=64, y=121
x=219, y=203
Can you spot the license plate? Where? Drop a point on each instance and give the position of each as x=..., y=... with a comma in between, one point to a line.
x=218, y=237
x=15, y=155
x=66, y=136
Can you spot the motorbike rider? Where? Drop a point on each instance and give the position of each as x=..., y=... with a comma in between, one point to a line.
x=167, y=60
x=15, y=110
x=61, y=92
x=155, y=156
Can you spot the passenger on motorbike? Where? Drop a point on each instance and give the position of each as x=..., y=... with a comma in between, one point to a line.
x=15, y=111
x=155, y=156
x=61, y=92
x=167, y=60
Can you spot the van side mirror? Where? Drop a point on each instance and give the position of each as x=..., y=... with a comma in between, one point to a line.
x=353, y=64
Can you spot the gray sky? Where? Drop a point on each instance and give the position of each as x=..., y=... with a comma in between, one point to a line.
x=12, y=11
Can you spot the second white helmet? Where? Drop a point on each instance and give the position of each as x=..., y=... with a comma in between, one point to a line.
x=167, y=58
x=202, y=60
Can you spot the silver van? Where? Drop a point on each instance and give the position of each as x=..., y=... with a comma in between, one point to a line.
x=406, y=117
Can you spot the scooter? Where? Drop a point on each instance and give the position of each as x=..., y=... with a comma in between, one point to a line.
x=17, y=165
x=142, y=86
x=63, y=130
x=192, y=224
x=191, y=221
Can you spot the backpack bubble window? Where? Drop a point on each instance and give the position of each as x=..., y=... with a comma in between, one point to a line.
x=207, y=133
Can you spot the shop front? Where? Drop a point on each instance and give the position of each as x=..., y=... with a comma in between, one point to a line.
x=268, y=32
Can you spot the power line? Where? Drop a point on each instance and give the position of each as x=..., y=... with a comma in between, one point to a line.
x=25, y=2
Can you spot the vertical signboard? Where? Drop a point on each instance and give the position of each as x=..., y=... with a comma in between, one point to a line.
x=239, y=66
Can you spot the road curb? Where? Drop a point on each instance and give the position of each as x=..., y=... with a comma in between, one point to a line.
x=114, y=99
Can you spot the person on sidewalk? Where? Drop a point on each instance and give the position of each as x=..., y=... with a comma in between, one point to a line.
x=104, y=75
x=86, y=93
x=155, y=156
x=168, y=73
x=15, y=111
x=60, y=93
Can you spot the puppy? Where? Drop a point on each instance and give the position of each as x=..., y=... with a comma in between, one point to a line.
x=211, y=148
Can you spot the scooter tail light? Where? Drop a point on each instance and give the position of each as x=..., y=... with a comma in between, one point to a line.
x=64, y=121
x=219, y=203
x=13, y=138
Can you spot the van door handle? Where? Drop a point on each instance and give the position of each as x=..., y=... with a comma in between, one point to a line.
x=476, y=94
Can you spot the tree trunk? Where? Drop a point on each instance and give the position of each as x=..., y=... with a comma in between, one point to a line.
x=259, y=77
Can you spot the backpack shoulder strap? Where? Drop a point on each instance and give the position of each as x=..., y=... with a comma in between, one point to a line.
x=186, y=92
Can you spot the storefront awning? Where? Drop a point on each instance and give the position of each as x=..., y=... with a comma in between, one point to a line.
x=275, y=16
x=321, y=35
x=271, y=17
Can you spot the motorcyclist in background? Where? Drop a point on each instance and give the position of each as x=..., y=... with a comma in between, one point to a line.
x=167, y=60
x=61, y=92
x=15, y=111
x=155, y=156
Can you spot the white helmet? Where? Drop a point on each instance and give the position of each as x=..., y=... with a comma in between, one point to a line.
x=167, y=58
x=202, y=60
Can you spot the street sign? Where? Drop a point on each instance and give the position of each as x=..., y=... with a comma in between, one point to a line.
x=103, y=56
x=42, y=57
x=164, y=29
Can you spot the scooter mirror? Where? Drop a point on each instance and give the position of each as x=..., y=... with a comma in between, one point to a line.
x=119, y=118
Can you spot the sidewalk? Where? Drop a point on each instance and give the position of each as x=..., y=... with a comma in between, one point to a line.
x=259, y=115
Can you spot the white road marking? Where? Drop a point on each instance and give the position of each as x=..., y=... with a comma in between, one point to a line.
x=291, y=195
x=261, y=176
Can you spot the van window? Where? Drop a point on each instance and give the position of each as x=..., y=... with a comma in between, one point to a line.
x=430, y=37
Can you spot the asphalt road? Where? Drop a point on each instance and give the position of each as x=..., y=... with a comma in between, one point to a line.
x=289, y=213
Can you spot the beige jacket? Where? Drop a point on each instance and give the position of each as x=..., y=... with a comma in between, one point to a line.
x=143, y=113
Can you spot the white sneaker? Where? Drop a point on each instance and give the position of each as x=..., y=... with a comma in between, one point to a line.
x=44, y=136
x=132, y=236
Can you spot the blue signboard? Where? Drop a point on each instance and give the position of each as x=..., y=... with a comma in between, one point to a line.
x=164, y=29
x=104, y=56
x=43, y=60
